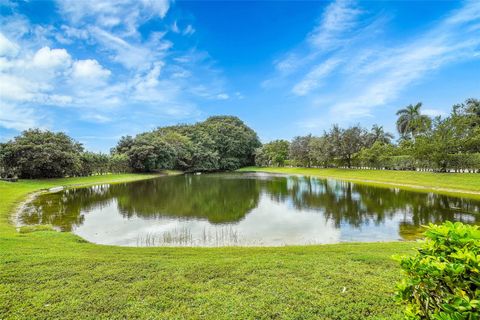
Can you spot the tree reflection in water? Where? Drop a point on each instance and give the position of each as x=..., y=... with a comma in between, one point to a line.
x=223, y=199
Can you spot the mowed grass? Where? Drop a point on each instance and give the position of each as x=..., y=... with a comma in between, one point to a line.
x=51, y=275
x=458, y=184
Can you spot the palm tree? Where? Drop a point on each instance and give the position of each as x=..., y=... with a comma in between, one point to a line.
x=410, y=121
x=378, y=134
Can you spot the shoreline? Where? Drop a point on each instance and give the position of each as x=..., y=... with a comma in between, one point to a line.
x=379, y=183
x=29, y=197
x=406, y=185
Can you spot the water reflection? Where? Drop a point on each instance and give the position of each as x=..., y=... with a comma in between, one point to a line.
x=244, y=209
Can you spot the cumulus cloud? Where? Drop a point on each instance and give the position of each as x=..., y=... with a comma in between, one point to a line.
x=97, y=64
x=90, y=69
x=52, y=59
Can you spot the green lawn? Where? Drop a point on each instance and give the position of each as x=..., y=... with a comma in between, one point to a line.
x=48, y=274
x=460, y=184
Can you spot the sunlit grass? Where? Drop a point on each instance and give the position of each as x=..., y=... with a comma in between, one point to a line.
x=50, y=274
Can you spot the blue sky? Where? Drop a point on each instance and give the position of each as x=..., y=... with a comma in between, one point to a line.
x=98, y=70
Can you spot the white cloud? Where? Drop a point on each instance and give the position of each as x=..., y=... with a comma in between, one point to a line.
x=339, y=17
x=223, y=96
x=338, y=26
x=16, y=88
x=434, y=112
x=14, y=117
x=312, y=80
x=7, y=47
x=124, y=14
x=141, y=75
x=346, y=57
x=132, y=56
x=382, y=79
x=175, y=27
x=96, y=117
x=90, y=69
x=52, y=59
x=189, y=30
x=159, y=7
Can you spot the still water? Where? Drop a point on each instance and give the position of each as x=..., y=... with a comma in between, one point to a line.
x=245, y=209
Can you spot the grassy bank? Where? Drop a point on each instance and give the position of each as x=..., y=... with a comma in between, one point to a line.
x=47, y=274
x=458, y=184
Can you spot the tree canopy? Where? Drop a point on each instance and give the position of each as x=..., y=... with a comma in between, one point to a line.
x=42, y=154
x=218, y=143
x=438, y=144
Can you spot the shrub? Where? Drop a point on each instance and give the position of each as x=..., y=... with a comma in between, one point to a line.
x=443, y=278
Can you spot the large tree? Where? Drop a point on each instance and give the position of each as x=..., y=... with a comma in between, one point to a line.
x=299, y=151
x=321, y=151
x=219, y=143
x=234, y=142
x=348, y=142
x=42, y=154
x=151, y=152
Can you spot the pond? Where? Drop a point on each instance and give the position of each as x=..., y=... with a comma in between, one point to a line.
x=244, y=209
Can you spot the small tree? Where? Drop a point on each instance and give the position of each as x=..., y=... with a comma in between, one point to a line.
x=274, y=153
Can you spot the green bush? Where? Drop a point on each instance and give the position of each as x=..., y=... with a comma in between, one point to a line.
x=404, y=162
x=443, y=278
x=465, y=161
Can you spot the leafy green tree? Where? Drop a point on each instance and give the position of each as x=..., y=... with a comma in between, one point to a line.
x=347, y=142
x=321, y=151
x=377, y=133
x=411, y=122
x=219, y=143
x=124, y=145
x=119, y=163
x=377, y=156
x=274, y=153
x=182, y=147
x=299, y=151
x=471, y=107
x=465, y=119
x=42, y=154
x=233, y=141
x=3, y=170
x=150, y=153
x=93, y=163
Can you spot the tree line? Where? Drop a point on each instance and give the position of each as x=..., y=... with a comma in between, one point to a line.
x=223, y=143
x=438, y=144
x=45, y=154
x=217, y=144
